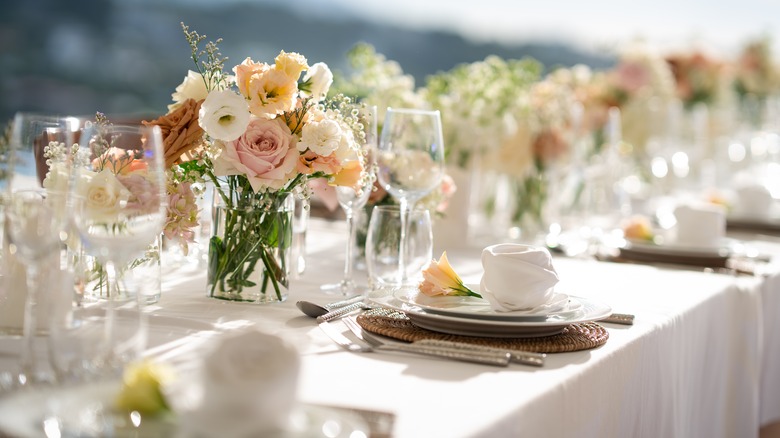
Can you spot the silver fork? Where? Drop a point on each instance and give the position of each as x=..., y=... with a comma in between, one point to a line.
x=495, y=358
x=521, y=357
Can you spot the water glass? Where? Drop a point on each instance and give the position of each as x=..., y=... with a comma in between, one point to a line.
x=300, y=225
x=383, y=246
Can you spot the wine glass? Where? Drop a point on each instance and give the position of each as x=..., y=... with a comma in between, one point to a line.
x=35, y=227
x=410, y=162
x=351, y=201
x=117, y=206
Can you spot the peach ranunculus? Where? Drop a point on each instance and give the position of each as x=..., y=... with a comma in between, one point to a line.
x=266, y=153
x=440, y=279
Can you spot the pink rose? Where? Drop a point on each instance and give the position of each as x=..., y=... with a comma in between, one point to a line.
x=266, y=153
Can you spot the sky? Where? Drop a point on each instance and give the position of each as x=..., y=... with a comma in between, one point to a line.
x=721, y=26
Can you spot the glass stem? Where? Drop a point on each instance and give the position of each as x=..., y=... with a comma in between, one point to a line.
x=108, y=327
x=349, y=258
x=402, y=244
x=30, y=325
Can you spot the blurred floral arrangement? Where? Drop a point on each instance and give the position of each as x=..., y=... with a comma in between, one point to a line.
x=375, y=80
x=699, y=78
x=755, y=72
x=481, y=104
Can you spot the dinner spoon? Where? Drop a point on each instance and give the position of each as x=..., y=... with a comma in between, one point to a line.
x=315, y=310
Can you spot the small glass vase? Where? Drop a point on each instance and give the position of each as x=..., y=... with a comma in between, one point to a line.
x=250, y=250
x=141, y=278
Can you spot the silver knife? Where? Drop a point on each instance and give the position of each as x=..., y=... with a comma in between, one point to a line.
x=523, y=357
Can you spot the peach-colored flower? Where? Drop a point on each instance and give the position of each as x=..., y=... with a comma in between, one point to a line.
x=349, y=176
x=310, y=163
x=119, y=162
x=271, y=93
x=180, y=131
x=440, y=279
x=292, y=64
x=265, y=153
x=245, y=71
x=638, y=227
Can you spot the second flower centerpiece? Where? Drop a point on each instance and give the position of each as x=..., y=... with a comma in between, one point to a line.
x=259, y=135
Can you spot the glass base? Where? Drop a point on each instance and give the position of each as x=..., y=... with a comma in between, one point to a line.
x=344, y=288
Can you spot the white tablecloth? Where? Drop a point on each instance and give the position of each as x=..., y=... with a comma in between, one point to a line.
x=701, y=360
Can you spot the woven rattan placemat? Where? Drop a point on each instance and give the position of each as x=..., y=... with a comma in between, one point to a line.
x=396, y=325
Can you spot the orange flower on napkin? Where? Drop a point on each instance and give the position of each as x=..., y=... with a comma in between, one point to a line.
x=440, y=279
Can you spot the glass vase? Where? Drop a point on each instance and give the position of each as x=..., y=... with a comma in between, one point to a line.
x=250, y=250
x=141, y=278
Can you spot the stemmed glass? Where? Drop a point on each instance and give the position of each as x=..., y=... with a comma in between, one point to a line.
x=410, y=162
x=118, y=208
x=35, y=227
x=351, y=201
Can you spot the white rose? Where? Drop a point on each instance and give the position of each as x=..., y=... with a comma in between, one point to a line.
x=193, y=87
x=321, y=137
x=224, y=115
x=320, y=79
x=102, y=196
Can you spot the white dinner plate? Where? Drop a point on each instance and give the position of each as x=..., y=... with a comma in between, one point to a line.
x=679, y=250
x=475, y=307
x=85, y=411
x=587, y=311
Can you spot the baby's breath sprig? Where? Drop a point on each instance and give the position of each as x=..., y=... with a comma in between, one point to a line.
x=213, y=66
x=5, y=149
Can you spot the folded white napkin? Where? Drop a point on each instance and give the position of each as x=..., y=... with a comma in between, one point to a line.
x=517, y=277
x=249, y=382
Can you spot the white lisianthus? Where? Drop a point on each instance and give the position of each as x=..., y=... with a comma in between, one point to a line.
x=322, y=137
x=102, y=195
x=224, y=115
x=318, y=80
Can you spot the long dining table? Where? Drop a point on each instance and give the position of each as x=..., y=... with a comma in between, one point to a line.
x=702, y=358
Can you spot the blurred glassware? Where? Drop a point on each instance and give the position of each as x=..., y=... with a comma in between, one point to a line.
x=384, y=246
x=352, y=202
x=117, y=206
x=410, y=161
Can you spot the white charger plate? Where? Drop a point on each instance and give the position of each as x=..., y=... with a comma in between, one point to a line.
x=589, y=310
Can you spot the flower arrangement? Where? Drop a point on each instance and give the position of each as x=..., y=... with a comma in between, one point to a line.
x=755, y=71
x=483, y=105
x=641, y=82
x=259, y=135
x=698, y=78
x=375, y=79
